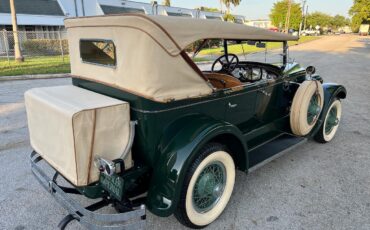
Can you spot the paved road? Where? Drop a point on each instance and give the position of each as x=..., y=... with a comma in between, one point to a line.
x=314, y=187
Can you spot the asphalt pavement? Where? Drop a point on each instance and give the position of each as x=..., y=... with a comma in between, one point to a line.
x=315, y=186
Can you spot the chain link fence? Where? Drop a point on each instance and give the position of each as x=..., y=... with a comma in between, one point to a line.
x=34, y=44
x=41, y=50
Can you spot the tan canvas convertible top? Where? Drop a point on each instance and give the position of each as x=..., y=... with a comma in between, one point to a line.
x=149, y=51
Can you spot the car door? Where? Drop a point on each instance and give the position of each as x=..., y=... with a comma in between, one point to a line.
x=241, y=107
x=270, y=102
x=271, y=109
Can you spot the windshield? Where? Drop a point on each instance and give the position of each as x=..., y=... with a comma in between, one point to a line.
x=205, y=52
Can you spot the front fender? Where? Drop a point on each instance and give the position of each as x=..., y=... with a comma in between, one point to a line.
x=177, y=149
x=331, y=92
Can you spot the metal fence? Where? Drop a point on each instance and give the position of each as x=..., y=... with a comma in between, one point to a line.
x=34, y=44
x=44, y=52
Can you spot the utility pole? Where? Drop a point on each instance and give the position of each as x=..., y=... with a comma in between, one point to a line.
x=303, y=17
x=17, y=50
x=287, y=19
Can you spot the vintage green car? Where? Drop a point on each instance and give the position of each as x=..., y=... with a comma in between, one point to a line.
x=143, y=126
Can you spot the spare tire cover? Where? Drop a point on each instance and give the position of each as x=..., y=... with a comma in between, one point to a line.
x=307, y=105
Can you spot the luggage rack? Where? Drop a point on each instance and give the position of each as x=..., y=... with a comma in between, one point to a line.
x=134, y=218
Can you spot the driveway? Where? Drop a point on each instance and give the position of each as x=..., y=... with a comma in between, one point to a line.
x=316, y=186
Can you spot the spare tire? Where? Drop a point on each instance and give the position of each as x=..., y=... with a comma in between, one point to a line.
x=307, y=105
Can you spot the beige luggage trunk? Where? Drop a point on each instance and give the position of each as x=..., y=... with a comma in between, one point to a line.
x=70, y=126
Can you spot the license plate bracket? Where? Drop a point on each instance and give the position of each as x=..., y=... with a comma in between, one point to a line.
x=113, y=184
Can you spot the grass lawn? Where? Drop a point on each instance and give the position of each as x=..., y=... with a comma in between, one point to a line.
x=237, y=48
x=35, y=65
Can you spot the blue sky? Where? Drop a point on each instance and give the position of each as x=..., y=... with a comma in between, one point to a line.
x=260, y=9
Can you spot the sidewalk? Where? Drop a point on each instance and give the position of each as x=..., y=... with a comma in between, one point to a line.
x=35, y=76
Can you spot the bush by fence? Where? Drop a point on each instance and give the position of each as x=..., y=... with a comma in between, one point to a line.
x=45, y=46
x=34, y=43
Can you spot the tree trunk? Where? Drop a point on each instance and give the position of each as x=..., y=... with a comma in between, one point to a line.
x=17, y=50
x=287, y=19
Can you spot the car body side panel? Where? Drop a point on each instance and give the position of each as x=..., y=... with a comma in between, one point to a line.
x=169, y=136
x=175, y=154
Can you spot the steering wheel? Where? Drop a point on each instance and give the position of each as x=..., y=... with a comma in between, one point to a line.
x=228, y=63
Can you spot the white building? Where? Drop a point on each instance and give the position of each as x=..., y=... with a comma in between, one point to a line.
x=35, y=15
x=43, y=19
x=48, y=15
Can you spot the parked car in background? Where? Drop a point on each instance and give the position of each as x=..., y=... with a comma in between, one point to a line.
x=310, y=33
x=274, y=29
x=364, y=30
x=142, y=126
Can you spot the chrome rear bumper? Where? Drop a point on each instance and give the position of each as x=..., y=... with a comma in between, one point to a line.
x=134, y=219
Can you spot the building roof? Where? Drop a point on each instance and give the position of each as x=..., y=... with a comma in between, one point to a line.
x=35, y=7
x=174, y=34
x=178, y=14
x=118, y=9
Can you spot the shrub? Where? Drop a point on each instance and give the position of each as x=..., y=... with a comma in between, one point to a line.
x=37, y=47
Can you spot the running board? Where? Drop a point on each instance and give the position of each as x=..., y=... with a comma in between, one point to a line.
x=276, y=148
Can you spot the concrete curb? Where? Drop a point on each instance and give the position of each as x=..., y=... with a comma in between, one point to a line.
x=34, y=77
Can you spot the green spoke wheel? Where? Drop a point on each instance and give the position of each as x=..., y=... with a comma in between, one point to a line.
x=314, y=109
x=209, y=187
x=332, y=120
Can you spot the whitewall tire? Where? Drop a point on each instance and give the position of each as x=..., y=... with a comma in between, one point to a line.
x=330, y=123
x=207, y=187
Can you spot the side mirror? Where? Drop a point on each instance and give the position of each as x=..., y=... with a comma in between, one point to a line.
x=310, y=70
x=261, y=45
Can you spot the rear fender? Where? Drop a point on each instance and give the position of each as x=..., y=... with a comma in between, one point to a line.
x=332, y=91
x=178, y=147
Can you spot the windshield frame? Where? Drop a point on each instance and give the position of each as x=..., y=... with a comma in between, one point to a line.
x=225, y=47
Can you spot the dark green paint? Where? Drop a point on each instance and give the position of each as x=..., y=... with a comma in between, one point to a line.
x=92, y=191
x=177, y=151
x=170, y=135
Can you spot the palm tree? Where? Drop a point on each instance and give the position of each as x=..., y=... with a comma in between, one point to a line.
x=167, y=2
x=17, y=50
x=229, y=2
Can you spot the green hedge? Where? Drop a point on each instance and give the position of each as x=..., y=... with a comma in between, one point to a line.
x=38, y=47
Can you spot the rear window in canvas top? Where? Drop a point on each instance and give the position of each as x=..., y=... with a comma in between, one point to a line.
x=100, y=52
